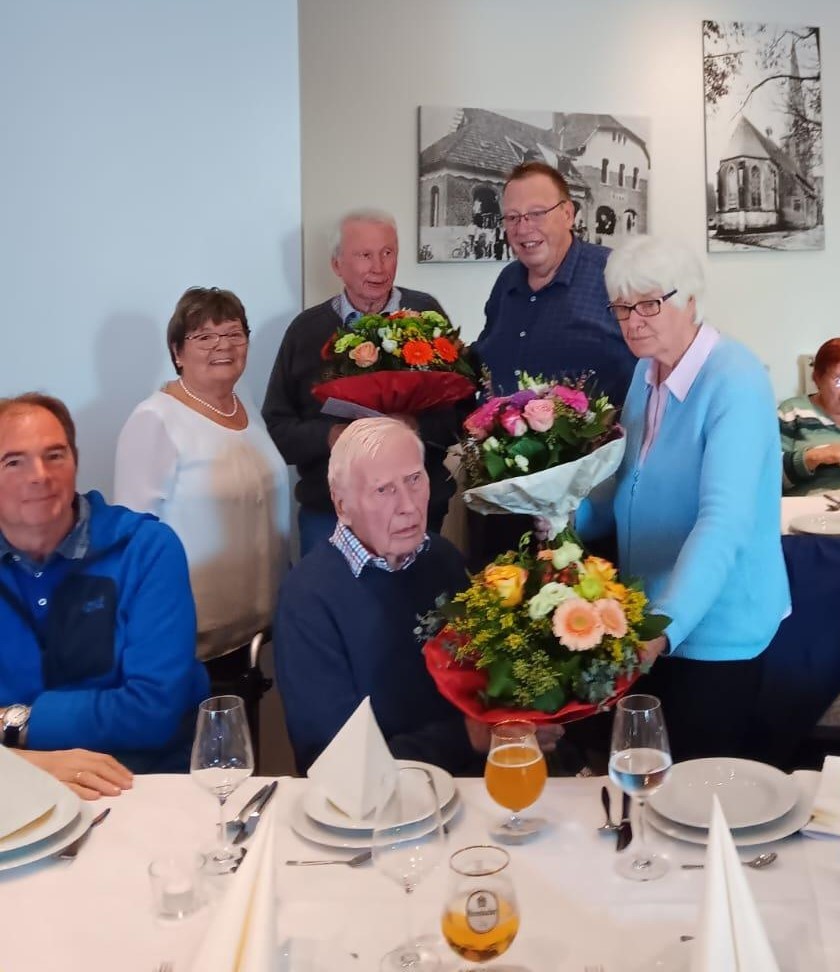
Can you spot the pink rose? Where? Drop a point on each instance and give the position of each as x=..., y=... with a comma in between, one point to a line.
x=573, y=397
x=512, y=422
x=480, y=422
x=365, y=354
x=539, y=414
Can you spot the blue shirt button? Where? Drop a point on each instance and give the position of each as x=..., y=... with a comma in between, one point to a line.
x=522, y=333
x=38, y=573
x=16, y=559
x=533, y=298
x=42, y=602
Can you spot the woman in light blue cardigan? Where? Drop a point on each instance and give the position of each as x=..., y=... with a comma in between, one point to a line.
x=696, y=501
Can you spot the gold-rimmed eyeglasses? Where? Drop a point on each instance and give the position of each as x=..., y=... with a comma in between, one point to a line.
x=209, y=340
x=644, y=308
x=535, y=216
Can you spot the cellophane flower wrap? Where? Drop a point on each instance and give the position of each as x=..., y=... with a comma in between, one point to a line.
x=551, y=633
x=407, y=362
x=541, y=450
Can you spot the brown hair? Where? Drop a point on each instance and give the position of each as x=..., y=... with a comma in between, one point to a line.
x=196, y=306
x=527, y=169
x=21, y=403
x=827, y=357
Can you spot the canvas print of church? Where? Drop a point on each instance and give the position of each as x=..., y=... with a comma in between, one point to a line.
x=466, y=154
x=764, y=144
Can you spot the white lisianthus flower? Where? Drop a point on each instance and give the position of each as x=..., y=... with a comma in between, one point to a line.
x=567, y=553
x=521, y=463
x=389, y=345
x=509, y=462
x=384, y=332
x=589, y=417
x=436, y=332
x=491, y=444
x=547, y=598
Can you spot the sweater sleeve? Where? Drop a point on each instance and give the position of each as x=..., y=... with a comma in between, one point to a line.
x=145, y=463
x=793, y=450
x=159, y=677
x=740, y=436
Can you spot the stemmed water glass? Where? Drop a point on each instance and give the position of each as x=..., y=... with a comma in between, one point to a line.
x=222, y=758
x=515, y=775
x=640, y=760
x=408, y=842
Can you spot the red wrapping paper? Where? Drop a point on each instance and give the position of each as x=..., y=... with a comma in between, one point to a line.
x=398, y=392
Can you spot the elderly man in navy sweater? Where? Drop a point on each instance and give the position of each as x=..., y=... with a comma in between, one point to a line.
x=345, y=621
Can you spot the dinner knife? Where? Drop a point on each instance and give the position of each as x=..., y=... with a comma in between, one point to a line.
x=235, y=826
x=625, y=830
x=250, y=824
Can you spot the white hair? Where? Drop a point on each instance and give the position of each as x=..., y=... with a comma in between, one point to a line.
x=364, y=439
x=644, y=264
x=379, y=216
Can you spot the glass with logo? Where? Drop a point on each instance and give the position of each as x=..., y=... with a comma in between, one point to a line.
x=481, y=916
x=515, y=776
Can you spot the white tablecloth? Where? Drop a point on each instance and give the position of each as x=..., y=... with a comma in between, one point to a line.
x=793, y=506
x=94, y=915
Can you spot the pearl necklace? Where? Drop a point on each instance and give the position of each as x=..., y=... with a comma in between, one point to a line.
x=212, y=408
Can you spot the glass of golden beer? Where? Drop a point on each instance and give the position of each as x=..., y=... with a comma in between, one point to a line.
x=481, y=917
x=515, y=775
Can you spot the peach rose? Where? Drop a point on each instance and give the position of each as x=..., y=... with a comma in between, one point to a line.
x=612, y=617
x=577, y=625
x=539, y=414
x=365, y=354
x=508, y=582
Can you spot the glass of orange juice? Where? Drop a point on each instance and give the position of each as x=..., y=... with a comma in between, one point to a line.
x=481, y=917
x=515, y=775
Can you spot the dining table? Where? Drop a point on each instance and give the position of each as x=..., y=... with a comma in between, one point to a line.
x=95, y=914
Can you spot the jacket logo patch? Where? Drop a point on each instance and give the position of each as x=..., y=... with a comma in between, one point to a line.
x=96, y=604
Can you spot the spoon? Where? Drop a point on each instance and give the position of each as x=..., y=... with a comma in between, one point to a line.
x=607, y=827
x=756, y=863
x=356, y=861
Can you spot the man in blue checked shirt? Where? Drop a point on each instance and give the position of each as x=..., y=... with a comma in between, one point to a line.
x=547, y=313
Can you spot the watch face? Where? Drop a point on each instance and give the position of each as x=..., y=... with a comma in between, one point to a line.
x=16, y=716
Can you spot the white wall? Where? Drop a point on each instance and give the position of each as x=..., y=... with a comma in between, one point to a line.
x=148, y=145
x=367, y=65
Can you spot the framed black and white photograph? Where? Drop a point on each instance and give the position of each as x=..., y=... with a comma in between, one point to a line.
x=466, y=154
x=764, y=142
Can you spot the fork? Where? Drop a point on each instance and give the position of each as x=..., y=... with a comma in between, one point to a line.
x=356, y=861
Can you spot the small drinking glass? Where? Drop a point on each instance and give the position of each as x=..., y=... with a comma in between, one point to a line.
x=515, y=775
x=407, y=844
x=640, y=760
x=222, y=758
x=177, y=884
x=481, y=916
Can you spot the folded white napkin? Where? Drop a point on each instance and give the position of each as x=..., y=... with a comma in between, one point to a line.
x=243, y=933
x=357, y=769
x=732, y=937
x=28, y=794
x=825, y=816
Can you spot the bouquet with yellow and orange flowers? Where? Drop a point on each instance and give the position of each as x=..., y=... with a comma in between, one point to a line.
x=405, y=362
x=552, y=631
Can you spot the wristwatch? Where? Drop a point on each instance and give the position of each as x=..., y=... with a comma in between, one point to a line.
x=14, y=721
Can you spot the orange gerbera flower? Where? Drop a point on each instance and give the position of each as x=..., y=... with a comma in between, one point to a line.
x=417, y=353
x=578, y=625
x=446, y=350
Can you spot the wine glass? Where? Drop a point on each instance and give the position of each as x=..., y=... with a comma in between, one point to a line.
x=221, y=759
x=640, y=760
x=515, y=775
x=407, y=844
x=481, y=916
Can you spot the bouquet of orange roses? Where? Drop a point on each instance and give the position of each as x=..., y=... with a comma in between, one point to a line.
x=405, y=362
x=552, y=632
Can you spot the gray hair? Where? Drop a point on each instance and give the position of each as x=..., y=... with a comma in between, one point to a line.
x=364, y=439
x=358, y=216
x=647, y=263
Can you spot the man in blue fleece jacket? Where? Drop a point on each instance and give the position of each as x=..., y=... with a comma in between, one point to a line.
x=97, y=622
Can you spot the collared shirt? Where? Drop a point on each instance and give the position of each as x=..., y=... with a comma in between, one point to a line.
x=348, y=313
x=564, y=328
x=73, y=547
x=358, y=556
x=678, y=383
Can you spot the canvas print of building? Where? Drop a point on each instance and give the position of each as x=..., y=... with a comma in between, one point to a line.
x=466, y=154
x=764, y=144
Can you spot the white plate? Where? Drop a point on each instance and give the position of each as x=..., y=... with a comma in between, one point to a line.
x=44, y=848
x=806, y=782
x=328, y=837
x=66, y=809
x=319, y=808
x=675, y=958
x=821, y=524
x=750, y=793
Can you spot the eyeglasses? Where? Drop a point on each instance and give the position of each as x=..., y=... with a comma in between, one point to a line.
x=535, y=216
x=209, y=340
x=644, y=308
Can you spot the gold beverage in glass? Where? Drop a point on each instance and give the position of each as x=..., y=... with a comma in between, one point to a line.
x=481, y=916
x=515, y=776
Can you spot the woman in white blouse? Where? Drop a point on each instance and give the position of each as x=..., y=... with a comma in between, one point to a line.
x=199, y=457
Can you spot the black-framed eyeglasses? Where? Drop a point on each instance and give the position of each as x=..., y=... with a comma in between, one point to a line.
x=209, y=340
x=535, y=216
x=644, y=308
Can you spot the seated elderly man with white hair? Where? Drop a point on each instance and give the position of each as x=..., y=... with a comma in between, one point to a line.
x=345, y=621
